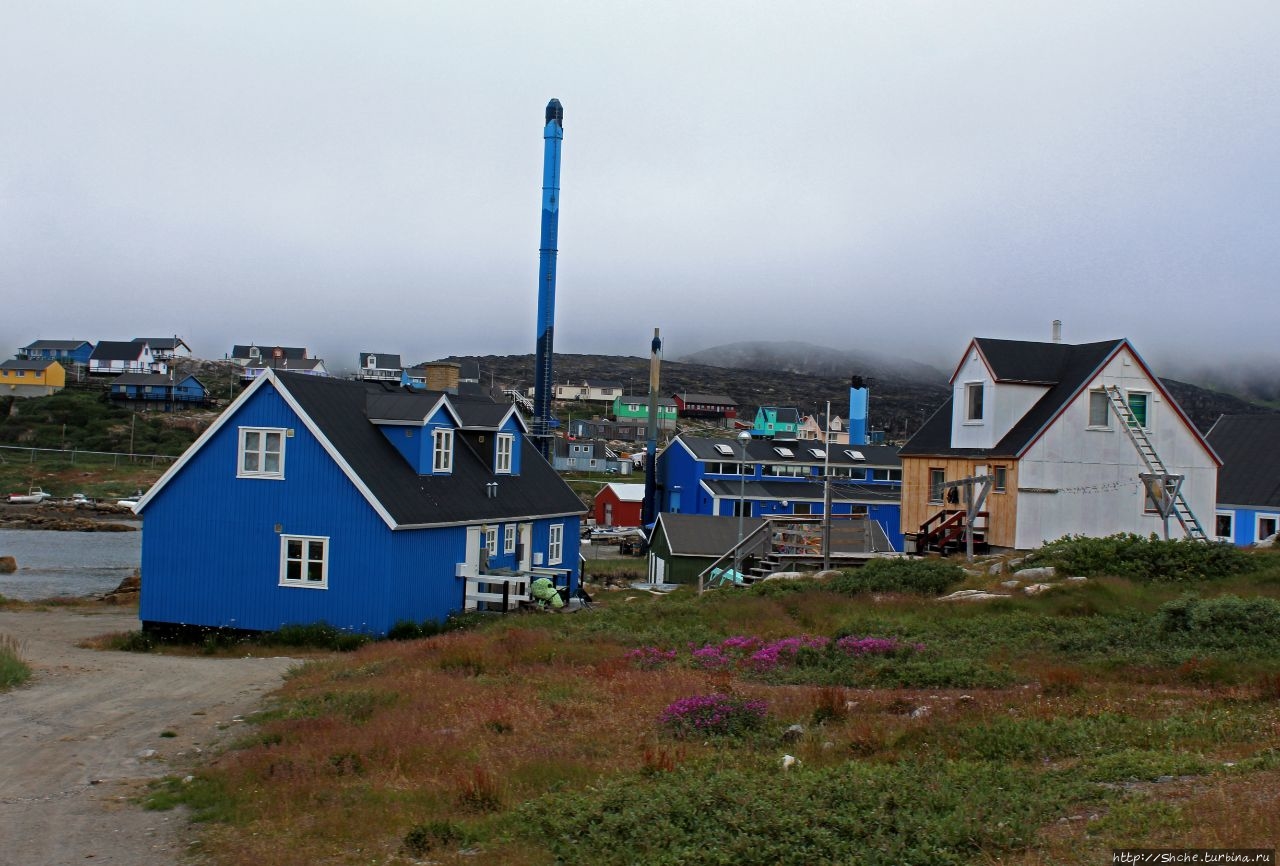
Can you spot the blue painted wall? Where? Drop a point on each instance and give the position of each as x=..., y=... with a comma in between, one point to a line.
x=680, y=475
x=211, y=549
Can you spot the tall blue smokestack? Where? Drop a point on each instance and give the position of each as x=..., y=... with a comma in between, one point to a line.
x=543, y=376
x=857, y=411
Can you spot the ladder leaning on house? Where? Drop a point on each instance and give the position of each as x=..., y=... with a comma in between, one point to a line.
x=1190, y=525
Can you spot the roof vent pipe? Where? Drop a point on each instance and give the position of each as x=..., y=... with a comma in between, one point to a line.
x=1057, y=330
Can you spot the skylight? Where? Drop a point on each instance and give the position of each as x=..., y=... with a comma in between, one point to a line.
x=820, y=453
x=783, y=452
x=726, y=450
x=854, y=455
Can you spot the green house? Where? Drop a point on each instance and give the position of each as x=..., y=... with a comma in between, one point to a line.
x=773, y=422
x=683, y=545
x=636, y=408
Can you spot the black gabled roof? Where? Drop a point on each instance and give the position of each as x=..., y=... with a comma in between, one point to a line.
x=116, y=350
x=394, y=403
x=1066, y=369
x=762, y=451
x=703, y=534
x=1249, y=446
x=27, y=365
x=142, y=379
x=381, y=361
x=806, y=490
x=337, y=407
x=162, y=342
x=57, y=344
x=294, y=352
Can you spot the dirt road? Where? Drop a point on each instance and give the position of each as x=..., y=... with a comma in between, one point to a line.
x=85, y=734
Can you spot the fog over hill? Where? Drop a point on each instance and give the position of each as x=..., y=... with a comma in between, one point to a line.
x=903, y=392
x=806, y=358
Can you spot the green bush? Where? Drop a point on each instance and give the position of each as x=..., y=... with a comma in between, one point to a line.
x=919, y=576
x=1226, y=622
x=422, y=839
x=908, y=813
x=1144, y=559
x=318, y=635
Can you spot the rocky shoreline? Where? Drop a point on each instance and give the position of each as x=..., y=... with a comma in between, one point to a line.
x=68, y=518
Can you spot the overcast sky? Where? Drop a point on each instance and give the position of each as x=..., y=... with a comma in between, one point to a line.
x=891, y=175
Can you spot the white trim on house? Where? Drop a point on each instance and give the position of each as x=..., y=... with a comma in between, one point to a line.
x=1230, y=515
x=502, y=460
x=261, y=452
x=555, y=544
x=225, y=417
x=1257, y=525
x=509, y=538
x=304, y=560
x=442, y=451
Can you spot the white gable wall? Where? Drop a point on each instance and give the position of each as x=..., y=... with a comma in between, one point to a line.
x=1003, y=404
x=1080, y=480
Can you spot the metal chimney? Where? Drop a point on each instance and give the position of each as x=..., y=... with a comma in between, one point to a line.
x=543, y=375
x=1057, y=330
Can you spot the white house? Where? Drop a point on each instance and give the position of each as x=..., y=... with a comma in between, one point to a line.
x=1061, y=429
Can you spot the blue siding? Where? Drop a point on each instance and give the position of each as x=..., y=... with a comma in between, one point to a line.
x=217, y=564
x=211, y=551
x=680, y=475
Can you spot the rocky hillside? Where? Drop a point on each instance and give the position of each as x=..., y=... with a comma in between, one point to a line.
x=899, y=401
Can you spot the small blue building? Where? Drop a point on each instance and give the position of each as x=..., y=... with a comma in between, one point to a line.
x=357, y=504
x=65, y=352
x=1249, y=480
x=705, y=476
x=156, y=390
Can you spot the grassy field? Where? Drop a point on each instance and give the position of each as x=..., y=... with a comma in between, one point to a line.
x=790, y=723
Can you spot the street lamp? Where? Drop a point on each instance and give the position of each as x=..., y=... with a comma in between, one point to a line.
x=743, y=438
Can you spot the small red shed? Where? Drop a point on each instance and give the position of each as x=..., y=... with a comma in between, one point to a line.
x=619, y=505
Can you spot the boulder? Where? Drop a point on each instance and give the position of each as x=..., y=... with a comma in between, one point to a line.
x=786, y=575
x=8, y=565
x=1036, y=588
x=1044, y=572
x=1011, y=584
x=972, y=595
x=996, y=567
x=1076, y=579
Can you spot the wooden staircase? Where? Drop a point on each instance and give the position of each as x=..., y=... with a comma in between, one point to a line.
x=944, y=532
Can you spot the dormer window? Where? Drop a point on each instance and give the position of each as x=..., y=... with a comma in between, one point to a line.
x=442, y=451
x=502, y=458
x=973, y=401
x=371, y=361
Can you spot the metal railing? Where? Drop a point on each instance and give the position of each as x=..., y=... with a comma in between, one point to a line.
x=75, y=456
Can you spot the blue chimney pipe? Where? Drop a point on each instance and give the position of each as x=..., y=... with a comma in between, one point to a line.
x=543, y=376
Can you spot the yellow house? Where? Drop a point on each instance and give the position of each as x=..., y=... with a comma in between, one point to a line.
x=31, y=378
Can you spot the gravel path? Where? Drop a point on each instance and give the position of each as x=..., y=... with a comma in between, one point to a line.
x=84, y=735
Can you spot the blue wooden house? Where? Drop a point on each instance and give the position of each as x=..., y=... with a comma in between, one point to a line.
x=706, y=476
x=357, y=504
x=159, y=391
x=65, y=352
x=1248, y=508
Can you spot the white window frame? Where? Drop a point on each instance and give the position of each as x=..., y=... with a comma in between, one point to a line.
x=509, y=538
x=491, y=540
x=937, y=490
x=1106, y=410
x=999, y=479
x=302, y=582
x=1231, y=516
x=243, y=451
x=555, y=544
x=970, y=389
x=1145, y=424
x=442, y=451
x=1257, y=525
x=505, y=446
